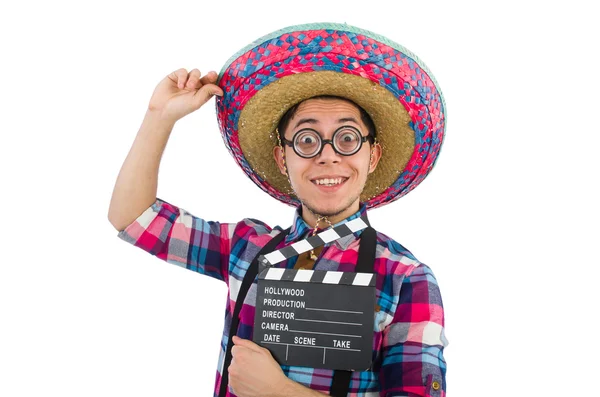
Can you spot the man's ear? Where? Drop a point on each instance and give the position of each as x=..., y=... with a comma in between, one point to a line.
x=278, y=155
x=375, y=157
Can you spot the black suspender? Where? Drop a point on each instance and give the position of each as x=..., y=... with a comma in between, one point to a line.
x=366, y=259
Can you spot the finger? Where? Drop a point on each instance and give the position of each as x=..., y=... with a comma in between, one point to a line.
x=239, y=352
x=215, y=89
x=205, y=93
x=209, y=78
x=179, y=77
x=193, y=80
x=248, y=344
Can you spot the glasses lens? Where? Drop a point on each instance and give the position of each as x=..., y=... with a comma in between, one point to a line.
x=307, y=142
x=347, y=140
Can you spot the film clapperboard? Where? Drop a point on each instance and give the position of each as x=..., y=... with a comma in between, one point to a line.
x=312, y=318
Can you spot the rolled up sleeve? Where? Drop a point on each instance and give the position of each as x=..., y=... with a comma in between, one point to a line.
x=180, y=238
x=413, y=362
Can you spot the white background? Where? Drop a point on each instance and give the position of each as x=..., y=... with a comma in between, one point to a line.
x=508, y=219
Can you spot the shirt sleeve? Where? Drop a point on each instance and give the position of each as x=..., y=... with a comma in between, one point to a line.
x=180, y=238
x=413, y=362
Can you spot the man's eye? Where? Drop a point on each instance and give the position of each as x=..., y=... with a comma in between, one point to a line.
x=348, y=137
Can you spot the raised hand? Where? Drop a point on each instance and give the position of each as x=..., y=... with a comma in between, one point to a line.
x=181, y=93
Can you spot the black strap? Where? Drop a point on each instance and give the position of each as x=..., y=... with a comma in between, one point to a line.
x=366, y=251
x=366, y=259
x=235, y=319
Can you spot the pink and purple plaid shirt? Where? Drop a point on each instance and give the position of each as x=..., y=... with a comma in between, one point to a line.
x=408, y=337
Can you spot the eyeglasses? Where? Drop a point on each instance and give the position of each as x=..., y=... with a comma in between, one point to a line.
x=346, y=141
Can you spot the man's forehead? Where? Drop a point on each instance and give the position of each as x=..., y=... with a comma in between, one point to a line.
x=318, y=109
x=328, y=102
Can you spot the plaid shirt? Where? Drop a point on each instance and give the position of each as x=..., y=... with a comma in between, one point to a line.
x=409, y=336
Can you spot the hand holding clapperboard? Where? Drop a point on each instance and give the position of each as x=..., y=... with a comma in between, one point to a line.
x=319, y=319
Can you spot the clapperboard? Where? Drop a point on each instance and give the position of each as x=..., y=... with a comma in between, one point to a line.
x=311, y=318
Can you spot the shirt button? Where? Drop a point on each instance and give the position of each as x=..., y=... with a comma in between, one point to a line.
x=435, y=385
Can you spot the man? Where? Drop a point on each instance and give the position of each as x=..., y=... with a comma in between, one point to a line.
x=310, y=138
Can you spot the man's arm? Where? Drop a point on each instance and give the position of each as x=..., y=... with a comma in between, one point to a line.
x=175, y=96
x=294, y=389
x=413, y=362
x=254, y=372
x=136, y=186
x=158, y=227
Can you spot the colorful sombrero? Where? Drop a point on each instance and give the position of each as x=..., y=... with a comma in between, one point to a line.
x=263, y=80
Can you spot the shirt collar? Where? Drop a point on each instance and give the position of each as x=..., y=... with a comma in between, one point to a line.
x=300, y=229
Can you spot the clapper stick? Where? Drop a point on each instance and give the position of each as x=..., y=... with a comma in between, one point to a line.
x=313, y=242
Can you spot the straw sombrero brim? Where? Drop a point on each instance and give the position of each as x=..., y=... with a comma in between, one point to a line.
x=297, y=63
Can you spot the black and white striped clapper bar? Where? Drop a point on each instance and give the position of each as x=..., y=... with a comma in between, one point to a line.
x=312, y=242
x=312, y=318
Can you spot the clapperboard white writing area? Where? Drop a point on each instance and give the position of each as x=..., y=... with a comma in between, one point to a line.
x=312, y=318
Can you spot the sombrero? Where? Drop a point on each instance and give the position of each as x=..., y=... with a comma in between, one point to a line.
x=264, y=79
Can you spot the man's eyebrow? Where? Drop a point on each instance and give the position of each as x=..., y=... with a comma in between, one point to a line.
x=302, y=121
x=315, y=121
x=346, y=119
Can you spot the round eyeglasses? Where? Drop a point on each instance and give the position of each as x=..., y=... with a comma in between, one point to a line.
x=346, y=141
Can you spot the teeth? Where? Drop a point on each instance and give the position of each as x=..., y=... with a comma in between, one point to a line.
x=328, y=181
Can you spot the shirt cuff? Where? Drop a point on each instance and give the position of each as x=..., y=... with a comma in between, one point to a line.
x=134, y=230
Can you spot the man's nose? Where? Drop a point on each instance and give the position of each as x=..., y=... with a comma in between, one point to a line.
x=328, y=155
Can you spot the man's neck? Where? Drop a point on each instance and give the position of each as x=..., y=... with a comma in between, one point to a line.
x=311, y=218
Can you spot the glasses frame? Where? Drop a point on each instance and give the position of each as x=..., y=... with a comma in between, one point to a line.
x=363, y=139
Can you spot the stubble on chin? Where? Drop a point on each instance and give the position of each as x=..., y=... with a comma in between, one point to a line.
x=330, y=213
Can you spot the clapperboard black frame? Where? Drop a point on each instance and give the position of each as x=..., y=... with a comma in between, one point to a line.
x=311, y=318
x=319, y=319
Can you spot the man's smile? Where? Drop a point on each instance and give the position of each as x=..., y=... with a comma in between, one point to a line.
x=329, y=180
x=329, y=183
